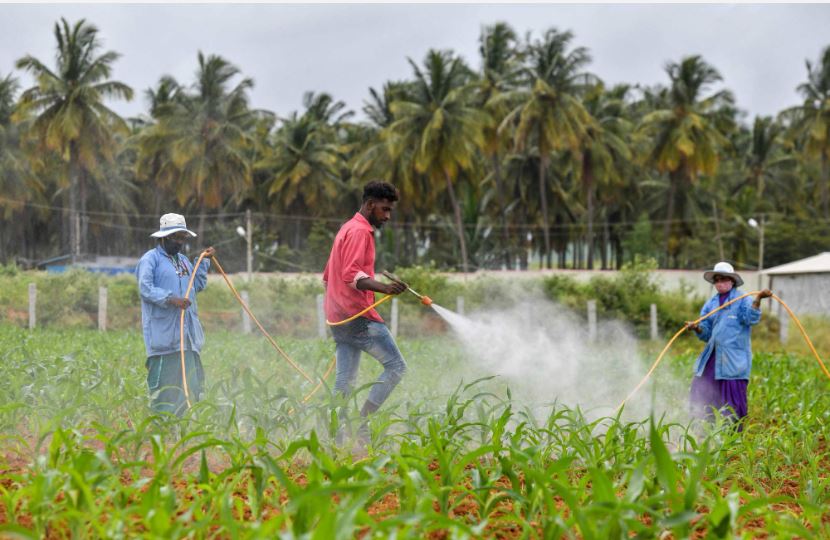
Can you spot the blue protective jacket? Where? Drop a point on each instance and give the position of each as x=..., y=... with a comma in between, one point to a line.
x=728, y=333
x=158, y=280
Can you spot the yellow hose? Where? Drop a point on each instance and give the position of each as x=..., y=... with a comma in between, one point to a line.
x=806, y=337
x=677, y=335
x=296, y=367
x=181, y=329
x=358, y=314
x=273, y=343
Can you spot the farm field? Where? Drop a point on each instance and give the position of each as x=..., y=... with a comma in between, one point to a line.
x=451, y=456
x=550, y=198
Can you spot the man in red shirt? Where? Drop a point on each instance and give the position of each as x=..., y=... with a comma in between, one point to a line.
x=350, y=283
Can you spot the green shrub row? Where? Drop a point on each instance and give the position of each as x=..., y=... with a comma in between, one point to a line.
x=286, y=305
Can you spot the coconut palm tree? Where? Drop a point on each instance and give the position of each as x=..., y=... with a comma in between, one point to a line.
x=19, y=184
x=810, y=124
x=756, y=172
x=439, y=122
x=213, y=135
x=376, y=158
x=550, y=114
x=687, y=131
x=500, y=70
x=303, y=170
x=202, y=140
x=15, y=180
x=153, y=140
x=68, y=113
x=323, y=108
x=206, y=130
x=768, y=166
x=305, y=164
x=163, y=98
x=604, y=154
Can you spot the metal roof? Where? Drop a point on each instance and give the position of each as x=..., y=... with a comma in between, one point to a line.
x=817, y=264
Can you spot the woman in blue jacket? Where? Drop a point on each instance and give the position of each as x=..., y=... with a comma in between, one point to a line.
x=721, y=372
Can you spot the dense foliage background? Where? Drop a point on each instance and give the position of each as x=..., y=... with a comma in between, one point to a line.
x=520, y=156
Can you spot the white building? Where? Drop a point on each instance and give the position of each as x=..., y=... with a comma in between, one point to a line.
x=804, y=285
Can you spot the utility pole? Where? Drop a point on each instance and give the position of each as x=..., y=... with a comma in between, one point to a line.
x=761, y=251
x=760, y=226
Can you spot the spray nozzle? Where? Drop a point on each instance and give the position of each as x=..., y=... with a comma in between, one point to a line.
x=425, y=300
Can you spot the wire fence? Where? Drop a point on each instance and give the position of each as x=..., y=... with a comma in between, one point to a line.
x=293, y=243
x=300, y=243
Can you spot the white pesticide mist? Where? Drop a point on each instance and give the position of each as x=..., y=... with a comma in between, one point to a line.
x=543, y=352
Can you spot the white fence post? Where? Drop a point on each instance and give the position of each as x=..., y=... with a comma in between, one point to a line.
x=321, y=318
x=459, y=305
x=653, y=310
x=246, y=319
x=102, y=309
x=394, y=322
x=592, y=320
x=32, y=303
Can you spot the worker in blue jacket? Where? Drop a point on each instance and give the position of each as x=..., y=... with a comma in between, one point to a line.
x=163, y=274
x=721, y=372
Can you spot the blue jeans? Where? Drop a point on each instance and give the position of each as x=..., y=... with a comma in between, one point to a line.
x=164, y=381
x=374, y=338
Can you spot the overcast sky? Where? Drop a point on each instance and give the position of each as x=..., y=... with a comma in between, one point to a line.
x=345, y=49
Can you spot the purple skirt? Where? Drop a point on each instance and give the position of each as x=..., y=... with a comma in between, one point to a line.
x=708, y=394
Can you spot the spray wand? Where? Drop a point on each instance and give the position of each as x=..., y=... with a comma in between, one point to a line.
x=425, y=300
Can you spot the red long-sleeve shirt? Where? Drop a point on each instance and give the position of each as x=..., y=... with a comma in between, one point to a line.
x=352, y=258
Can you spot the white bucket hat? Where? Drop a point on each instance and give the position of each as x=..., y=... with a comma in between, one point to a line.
x=723, y=269
x=171, y=223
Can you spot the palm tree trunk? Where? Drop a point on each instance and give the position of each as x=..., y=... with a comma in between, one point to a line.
x=67, y=226
x=458, y=223
x=409, y=252
x=200, y=228
x=521, y=235
x=74, y=228
x=26, y=236
x=396, y=240
x=543, y=199
x=674, y=178
x=7, y=239
x=83, y=219
x=502, y=209
x=157, y=196
x=825, y=179
x=717, y=230
x=605, y=239
x=760, y=183
x=588, y=182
